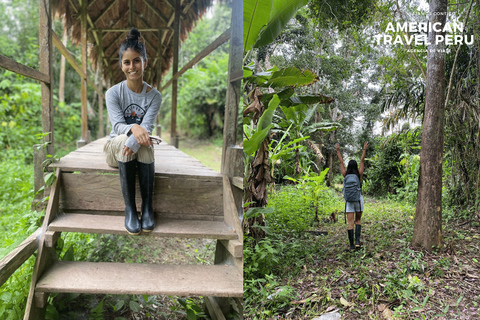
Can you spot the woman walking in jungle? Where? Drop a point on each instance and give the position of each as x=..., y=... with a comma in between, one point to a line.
x=352, y=192
x=133, y=107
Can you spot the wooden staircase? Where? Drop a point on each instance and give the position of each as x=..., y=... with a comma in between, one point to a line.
x=190, y=201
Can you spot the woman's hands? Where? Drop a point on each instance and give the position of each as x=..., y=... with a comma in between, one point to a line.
x=127, y=151
x=365, y=146
x=142, y=137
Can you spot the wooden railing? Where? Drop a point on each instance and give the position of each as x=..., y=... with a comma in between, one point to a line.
x=12, y=261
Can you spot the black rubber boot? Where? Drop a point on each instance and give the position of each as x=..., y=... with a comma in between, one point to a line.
x=128, y=171
x=146, y=177
x=350, y=238
x=358, y=231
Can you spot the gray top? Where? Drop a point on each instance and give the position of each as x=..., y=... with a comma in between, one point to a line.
x=126, y=108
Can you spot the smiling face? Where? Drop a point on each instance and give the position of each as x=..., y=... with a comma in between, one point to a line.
x=133, y=65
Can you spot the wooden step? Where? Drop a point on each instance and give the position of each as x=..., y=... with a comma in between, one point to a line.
x=175, y=195
x=90, y=223
x=150, y=279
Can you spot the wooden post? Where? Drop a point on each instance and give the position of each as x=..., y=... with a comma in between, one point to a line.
x=226, y=252
x=45, y=56
x=39, y=157
x=176, y=47
x=235, y=74
x=159, y=76
x=83, y=88
x=61, y=85
x=101, y=125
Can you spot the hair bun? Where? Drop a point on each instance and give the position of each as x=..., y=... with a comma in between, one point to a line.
x=135, y=41
x=134, y=35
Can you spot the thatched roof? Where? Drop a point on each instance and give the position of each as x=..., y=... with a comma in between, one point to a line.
x=109, y=22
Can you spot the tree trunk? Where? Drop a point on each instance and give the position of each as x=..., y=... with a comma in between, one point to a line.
x=331, y=139
x=427, y=231
x=330, y=170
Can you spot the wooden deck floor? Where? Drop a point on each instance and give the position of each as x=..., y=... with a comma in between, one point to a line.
x=168, y=161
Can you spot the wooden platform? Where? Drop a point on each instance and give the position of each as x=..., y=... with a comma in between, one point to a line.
x=189, y=201
x=168, y=161
x=106, y=224
x=151, y=279
x=184, y=188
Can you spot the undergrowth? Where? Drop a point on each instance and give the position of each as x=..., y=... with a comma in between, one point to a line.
x=302, y=275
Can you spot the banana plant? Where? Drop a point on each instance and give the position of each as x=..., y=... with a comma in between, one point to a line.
x=299, y=118
x=316, y=185
x=259, y=112
x=263, y=20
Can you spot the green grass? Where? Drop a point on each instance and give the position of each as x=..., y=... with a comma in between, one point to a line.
x=209, y=153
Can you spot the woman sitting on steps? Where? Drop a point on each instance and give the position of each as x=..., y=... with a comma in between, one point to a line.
x=133, y=107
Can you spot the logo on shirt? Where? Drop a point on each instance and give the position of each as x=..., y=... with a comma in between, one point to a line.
x=133, y=114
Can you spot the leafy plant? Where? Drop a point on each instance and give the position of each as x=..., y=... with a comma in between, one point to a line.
x=315, y=185
x=258, y=122
x=264, y=20
x=192, y=310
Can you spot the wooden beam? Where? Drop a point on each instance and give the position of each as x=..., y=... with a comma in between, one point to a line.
x=113, y=43
x=51, y=238
x=187, y=7
x=101, y=97
x=230, y=209
x=12, y=261
x=59, y=45
x=127, y=29
x=45, y=57
x=91, y=3
x=235, y=65
x=45, y=256
x=9, y=64
x=130, y=13
x=41, y=299
x=74, y=7
x=205, y=52
x=238, y=182
x=104, y=11
x=235, y=247
x=155, y=10
x=214, y=309
x=171, y=3
x=170, y=22
x=159, y=61
x=176, y=49
x=83, y=87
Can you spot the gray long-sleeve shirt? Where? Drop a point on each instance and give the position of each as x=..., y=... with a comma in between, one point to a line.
x=126, y=108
